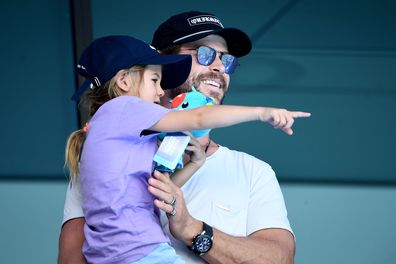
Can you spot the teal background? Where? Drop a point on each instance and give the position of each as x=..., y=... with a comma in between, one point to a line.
x=335, y=59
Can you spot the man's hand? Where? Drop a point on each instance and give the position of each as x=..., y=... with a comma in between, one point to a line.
x=181, y=225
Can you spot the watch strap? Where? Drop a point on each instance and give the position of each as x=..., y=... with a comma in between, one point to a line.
x=207, y=229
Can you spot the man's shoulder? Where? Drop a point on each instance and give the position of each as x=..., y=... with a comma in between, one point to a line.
x=245, y=157
x=238, y=154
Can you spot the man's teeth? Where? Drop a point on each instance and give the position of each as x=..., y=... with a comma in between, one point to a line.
x=211, y=82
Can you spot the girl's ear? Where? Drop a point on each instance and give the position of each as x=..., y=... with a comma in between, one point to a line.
x=124, y=81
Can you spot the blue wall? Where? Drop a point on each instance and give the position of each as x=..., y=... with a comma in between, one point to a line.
x=335, y=59
x=332, y=223
x=37, y=82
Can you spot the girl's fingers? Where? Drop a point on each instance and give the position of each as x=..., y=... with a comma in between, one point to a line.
x=283, y=121
x=275, y=120
x=289, y=123
x=297, y=114
x=191, y=148
x=193, y=142
x=288, y=131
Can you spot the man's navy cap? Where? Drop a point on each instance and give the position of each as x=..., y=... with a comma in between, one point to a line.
x=105, y=56
x=193, y=25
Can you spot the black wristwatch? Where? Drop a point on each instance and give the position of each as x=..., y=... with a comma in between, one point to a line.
x=202, y=242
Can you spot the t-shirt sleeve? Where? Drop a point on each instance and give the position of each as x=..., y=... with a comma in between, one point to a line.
x=138, y=115
x=266, y=205
x=73, y=203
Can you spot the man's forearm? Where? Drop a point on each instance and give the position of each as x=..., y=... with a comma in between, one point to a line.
x=264, y=246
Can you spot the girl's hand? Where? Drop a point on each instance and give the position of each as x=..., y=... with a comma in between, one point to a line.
x=280, y=118
x=197, y=152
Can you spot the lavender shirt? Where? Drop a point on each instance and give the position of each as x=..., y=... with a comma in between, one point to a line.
x=122, y=224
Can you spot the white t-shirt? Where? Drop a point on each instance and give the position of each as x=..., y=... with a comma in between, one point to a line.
x=233, y=192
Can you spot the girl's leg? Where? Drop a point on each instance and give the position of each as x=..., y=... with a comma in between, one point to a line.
x=163, y=254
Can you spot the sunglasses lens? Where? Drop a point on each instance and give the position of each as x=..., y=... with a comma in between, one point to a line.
x=206, y=55
x=230, y=63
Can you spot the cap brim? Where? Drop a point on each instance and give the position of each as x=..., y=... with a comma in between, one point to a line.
x=238, y=42
x=84, y=86
x=175, y=70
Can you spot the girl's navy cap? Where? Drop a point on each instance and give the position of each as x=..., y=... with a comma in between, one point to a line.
x=105, y=56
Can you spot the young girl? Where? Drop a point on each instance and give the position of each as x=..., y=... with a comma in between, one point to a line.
x=122, y=223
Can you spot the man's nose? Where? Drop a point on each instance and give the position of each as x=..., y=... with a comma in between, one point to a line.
x=217, y=65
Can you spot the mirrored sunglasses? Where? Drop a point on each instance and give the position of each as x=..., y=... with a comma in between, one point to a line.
x=207, y=55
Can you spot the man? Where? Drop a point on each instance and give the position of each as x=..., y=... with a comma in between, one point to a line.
x=234, y=197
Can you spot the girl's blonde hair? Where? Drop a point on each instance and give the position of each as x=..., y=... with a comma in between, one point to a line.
x=95, y=98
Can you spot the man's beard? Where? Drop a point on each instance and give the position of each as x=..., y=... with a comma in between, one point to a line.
x=187, y=86
x=184, y=88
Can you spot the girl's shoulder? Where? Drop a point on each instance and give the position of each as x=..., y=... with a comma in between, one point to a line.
x=121, y=101
x=123, y=98
x=131, y=104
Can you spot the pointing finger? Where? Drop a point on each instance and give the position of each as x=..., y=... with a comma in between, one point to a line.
x=297, y=114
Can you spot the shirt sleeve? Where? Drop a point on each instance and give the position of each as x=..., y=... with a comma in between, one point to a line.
x=126, y=116
x=138, y=115
x=266, y=206
x=73, y=202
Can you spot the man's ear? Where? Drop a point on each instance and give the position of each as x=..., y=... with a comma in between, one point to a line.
x=124, y=81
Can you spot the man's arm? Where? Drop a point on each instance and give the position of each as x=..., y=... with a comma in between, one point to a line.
x=71, y=240
x=263, y=246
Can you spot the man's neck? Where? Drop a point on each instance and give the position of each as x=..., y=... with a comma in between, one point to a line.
x=208, y=144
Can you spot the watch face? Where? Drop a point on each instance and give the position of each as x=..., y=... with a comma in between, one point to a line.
x=203, y=243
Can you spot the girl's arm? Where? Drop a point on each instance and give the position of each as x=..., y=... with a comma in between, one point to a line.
x=197, y=159
x=225, y=115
